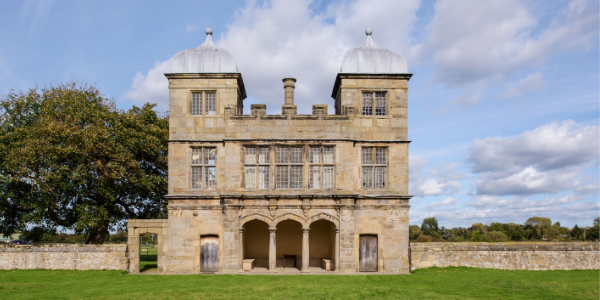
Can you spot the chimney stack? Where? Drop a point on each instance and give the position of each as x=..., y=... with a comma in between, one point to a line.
x=289, y=84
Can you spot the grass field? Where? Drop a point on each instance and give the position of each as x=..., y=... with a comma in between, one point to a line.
x=434, y=283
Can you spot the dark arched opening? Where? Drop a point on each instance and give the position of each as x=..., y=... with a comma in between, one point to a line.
x=321, y=243
x=256, y=242
x=289, y=244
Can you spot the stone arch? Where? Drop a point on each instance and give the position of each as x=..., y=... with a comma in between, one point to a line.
x=288, y=216
x=324, y=216
x=255, y=216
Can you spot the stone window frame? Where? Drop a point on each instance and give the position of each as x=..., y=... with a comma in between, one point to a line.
x=203, y=101
x=257, y=165
x=322, y=165
x=374, y=164
x=373, y=105
x=203, y=164
x=290, y=166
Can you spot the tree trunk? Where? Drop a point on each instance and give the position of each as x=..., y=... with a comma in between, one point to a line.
x=98, y=234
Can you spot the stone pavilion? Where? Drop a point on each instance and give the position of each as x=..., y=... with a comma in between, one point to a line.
x=290, y=192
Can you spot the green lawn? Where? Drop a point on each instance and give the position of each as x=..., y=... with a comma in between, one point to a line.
x=434, y=283
x=148, y=258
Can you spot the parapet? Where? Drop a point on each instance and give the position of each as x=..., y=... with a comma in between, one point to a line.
x=289, y=112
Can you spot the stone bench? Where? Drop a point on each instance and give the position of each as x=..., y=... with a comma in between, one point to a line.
x=327, y=264
x=248, y=264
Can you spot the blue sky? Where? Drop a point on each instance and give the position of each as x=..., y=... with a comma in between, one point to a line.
x=503, y=104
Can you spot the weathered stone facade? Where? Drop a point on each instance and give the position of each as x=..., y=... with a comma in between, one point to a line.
x=224, y=210
x=64, y=257
x=305, y=196
x=510, y=256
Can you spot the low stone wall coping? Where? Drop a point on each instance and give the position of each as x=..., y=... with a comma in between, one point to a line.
x=506, y=246
x=64, y=248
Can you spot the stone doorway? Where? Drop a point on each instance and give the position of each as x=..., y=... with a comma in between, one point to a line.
x=148, y=253
x=135, y=230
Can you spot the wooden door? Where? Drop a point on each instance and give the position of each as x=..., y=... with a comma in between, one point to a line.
x=209, y=254
x=367, y=253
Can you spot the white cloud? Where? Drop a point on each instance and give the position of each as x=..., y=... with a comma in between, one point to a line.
x=487, y=209
x=473, y=43
x=443, y=179
x=548, y=159
x=151, y=87
x=495, y=202
x=444, y=205
x=533, y=82
x=281, y=39
x=190, y=28
x=288, y=39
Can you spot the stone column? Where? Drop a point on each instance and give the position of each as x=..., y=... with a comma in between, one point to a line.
x=305, y=251
x=272, y=250
x=241, y=251
x=337, y=250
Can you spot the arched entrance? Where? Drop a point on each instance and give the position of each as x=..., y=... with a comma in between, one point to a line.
x=322, y=239
x=289, y=244
x=256, y=243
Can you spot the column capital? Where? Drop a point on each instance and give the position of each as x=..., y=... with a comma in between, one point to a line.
x=337, y=230
x=272, y=229
x=305, y=229
x=241, y=229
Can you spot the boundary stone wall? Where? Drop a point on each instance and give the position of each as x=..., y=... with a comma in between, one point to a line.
x=64, y=257
x=508, y=255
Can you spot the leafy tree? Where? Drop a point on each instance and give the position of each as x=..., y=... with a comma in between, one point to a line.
x=541, y=227
x=476, y=236
x=479, y=228
x=593, y=233
x=576, y=231
x=495, y=236
x=445, y=233
x=430, y=227
x=414, y=231
x=69, y=158
x=516, y=232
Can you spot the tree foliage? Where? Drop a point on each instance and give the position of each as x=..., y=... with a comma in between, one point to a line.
x=430, y=227
x=69, y=158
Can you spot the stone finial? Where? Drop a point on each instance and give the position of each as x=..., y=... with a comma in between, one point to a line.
x=289, y=84
x=369, y=31
x=208, y=31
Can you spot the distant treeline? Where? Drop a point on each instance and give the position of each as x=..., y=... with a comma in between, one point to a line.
x=535, y=229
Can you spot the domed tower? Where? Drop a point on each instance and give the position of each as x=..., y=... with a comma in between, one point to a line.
x=372, y=83
x=204, y=82
x=371, y=89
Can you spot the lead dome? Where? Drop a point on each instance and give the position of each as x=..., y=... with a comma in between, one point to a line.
x=206, y=58
x=372, y=59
